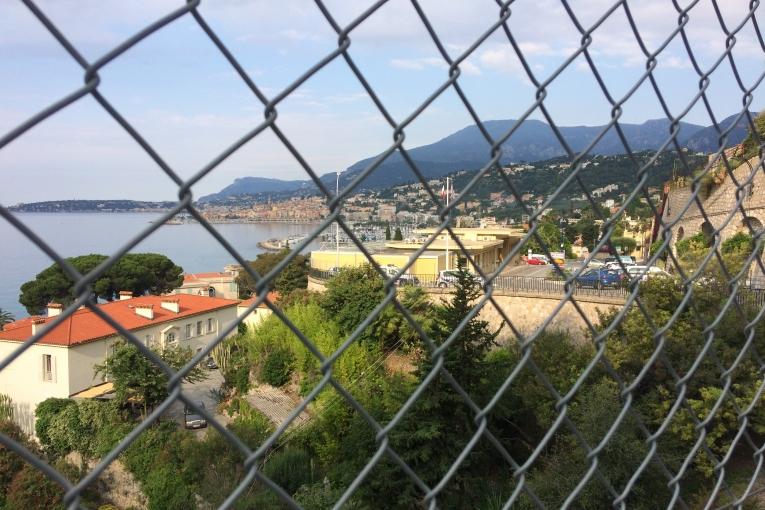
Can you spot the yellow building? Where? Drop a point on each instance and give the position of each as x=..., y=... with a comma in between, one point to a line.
x=486, y=246
x=429, y=263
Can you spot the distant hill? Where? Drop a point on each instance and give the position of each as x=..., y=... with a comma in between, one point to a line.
x=92, y=206
x=706, y=140
x=249, y=185
x=467, y=149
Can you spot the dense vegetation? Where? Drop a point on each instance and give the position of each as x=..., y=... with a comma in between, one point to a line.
x=139, y=273
x=316, y=462
x=293, y=276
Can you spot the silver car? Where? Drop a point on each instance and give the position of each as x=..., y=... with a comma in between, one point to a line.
x=193, y=420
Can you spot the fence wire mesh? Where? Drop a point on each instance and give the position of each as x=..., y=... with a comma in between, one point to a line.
x=745, y=439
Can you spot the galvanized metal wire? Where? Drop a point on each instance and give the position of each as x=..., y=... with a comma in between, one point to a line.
x=494, y=282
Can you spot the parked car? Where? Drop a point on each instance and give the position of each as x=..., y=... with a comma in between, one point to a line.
x=404, y=279
x=645, y=272
x=193, y=420
x=448, y=278
x=595, y=263
x=624, y=260
x=599, y=278
x=333, y=271
x=537, y=260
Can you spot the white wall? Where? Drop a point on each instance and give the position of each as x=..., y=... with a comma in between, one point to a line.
x=22, y=380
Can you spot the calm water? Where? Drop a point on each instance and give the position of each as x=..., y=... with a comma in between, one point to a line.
x=71, y=234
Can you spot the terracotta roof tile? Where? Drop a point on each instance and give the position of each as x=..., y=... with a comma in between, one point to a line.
x=194, y=277
x=85, y=326
x=272, y=296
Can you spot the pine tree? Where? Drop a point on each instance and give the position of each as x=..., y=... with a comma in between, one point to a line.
x=387, y=232
x=398, y=236
x=437, y=428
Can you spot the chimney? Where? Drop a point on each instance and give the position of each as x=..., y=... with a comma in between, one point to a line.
x=37, y=324
x=146, y=311
x=54, y=309
x=125, y=294
x=172, y=305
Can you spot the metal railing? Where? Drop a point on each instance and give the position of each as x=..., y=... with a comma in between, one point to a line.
x=746, y=438
x=550, y=285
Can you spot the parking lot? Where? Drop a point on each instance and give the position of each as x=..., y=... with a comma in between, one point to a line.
x=538, y=271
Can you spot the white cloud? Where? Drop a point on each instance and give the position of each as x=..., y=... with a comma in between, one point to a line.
x=418, y=64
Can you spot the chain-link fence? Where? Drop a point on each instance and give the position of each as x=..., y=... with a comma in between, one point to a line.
x=702, y=440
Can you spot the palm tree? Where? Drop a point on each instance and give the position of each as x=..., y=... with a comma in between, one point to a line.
x=5, y=317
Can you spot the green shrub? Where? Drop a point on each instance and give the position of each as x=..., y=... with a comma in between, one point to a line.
x=10, y=462
x=238, y=376
x=90, y=427
x=278, y=366
x=149, y=448
x=165, y=489
x=291, y=468
x=30, y=488
x=44, y=413
x=251, y=426
x=6, y=407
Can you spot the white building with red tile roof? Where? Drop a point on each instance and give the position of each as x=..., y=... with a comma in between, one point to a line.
x=210, y=284
x=259, y=313
x=61, y=363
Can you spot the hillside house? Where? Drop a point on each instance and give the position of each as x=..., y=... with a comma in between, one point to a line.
x=61, y=363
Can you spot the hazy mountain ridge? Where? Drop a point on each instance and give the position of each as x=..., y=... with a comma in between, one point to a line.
x=534, y=140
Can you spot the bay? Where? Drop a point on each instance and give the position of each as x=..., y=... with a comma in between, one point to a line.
x=70, y=234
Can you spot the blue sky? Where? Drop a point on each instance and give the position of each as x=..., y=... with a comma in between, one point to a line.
x=180, y=93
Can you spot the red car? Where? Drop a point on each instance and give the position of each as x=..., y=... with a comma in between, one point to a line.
x=536, y=261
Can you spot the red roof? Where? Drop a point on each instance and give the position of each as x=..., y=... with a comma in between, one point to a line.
x=273, y=296
x=194, y=277
x=85, y=326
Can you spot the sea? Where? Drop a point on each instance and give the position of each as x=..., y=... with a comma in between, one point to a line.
x=189, y=245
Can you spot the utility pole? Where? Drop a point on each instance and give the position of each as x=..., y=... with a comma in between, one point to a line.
x=337, y=225
x=448, y=217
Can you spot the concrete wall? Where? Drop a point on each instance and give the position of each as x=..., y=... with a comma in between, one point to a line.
x=527, y=313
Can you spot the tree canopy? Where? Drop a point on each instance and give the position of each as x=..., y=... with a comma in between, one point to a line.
x=293, y=276
x=5, y=317
x=139, y=273
x=138, y=379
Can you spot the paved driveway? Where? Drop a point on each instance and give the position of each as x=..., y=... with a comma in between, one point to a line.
x=200, y=392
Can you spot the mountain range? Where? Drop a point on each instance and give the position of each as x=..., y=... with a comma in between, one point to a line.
x=467, y=149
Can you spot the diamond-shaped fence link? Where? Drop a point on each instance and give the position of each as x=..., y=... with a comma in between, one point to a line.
x=516, y=471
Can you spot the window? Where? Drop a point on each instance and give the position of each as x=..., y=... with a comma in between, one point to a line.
x=188, y=330
x=199, y=328
x=170, y=337
x=209, y=325
x=149, y=339
x=48, y=364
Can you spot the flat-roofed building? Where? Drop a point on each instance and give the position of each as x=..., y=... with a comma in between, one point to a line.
x=486, y=246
